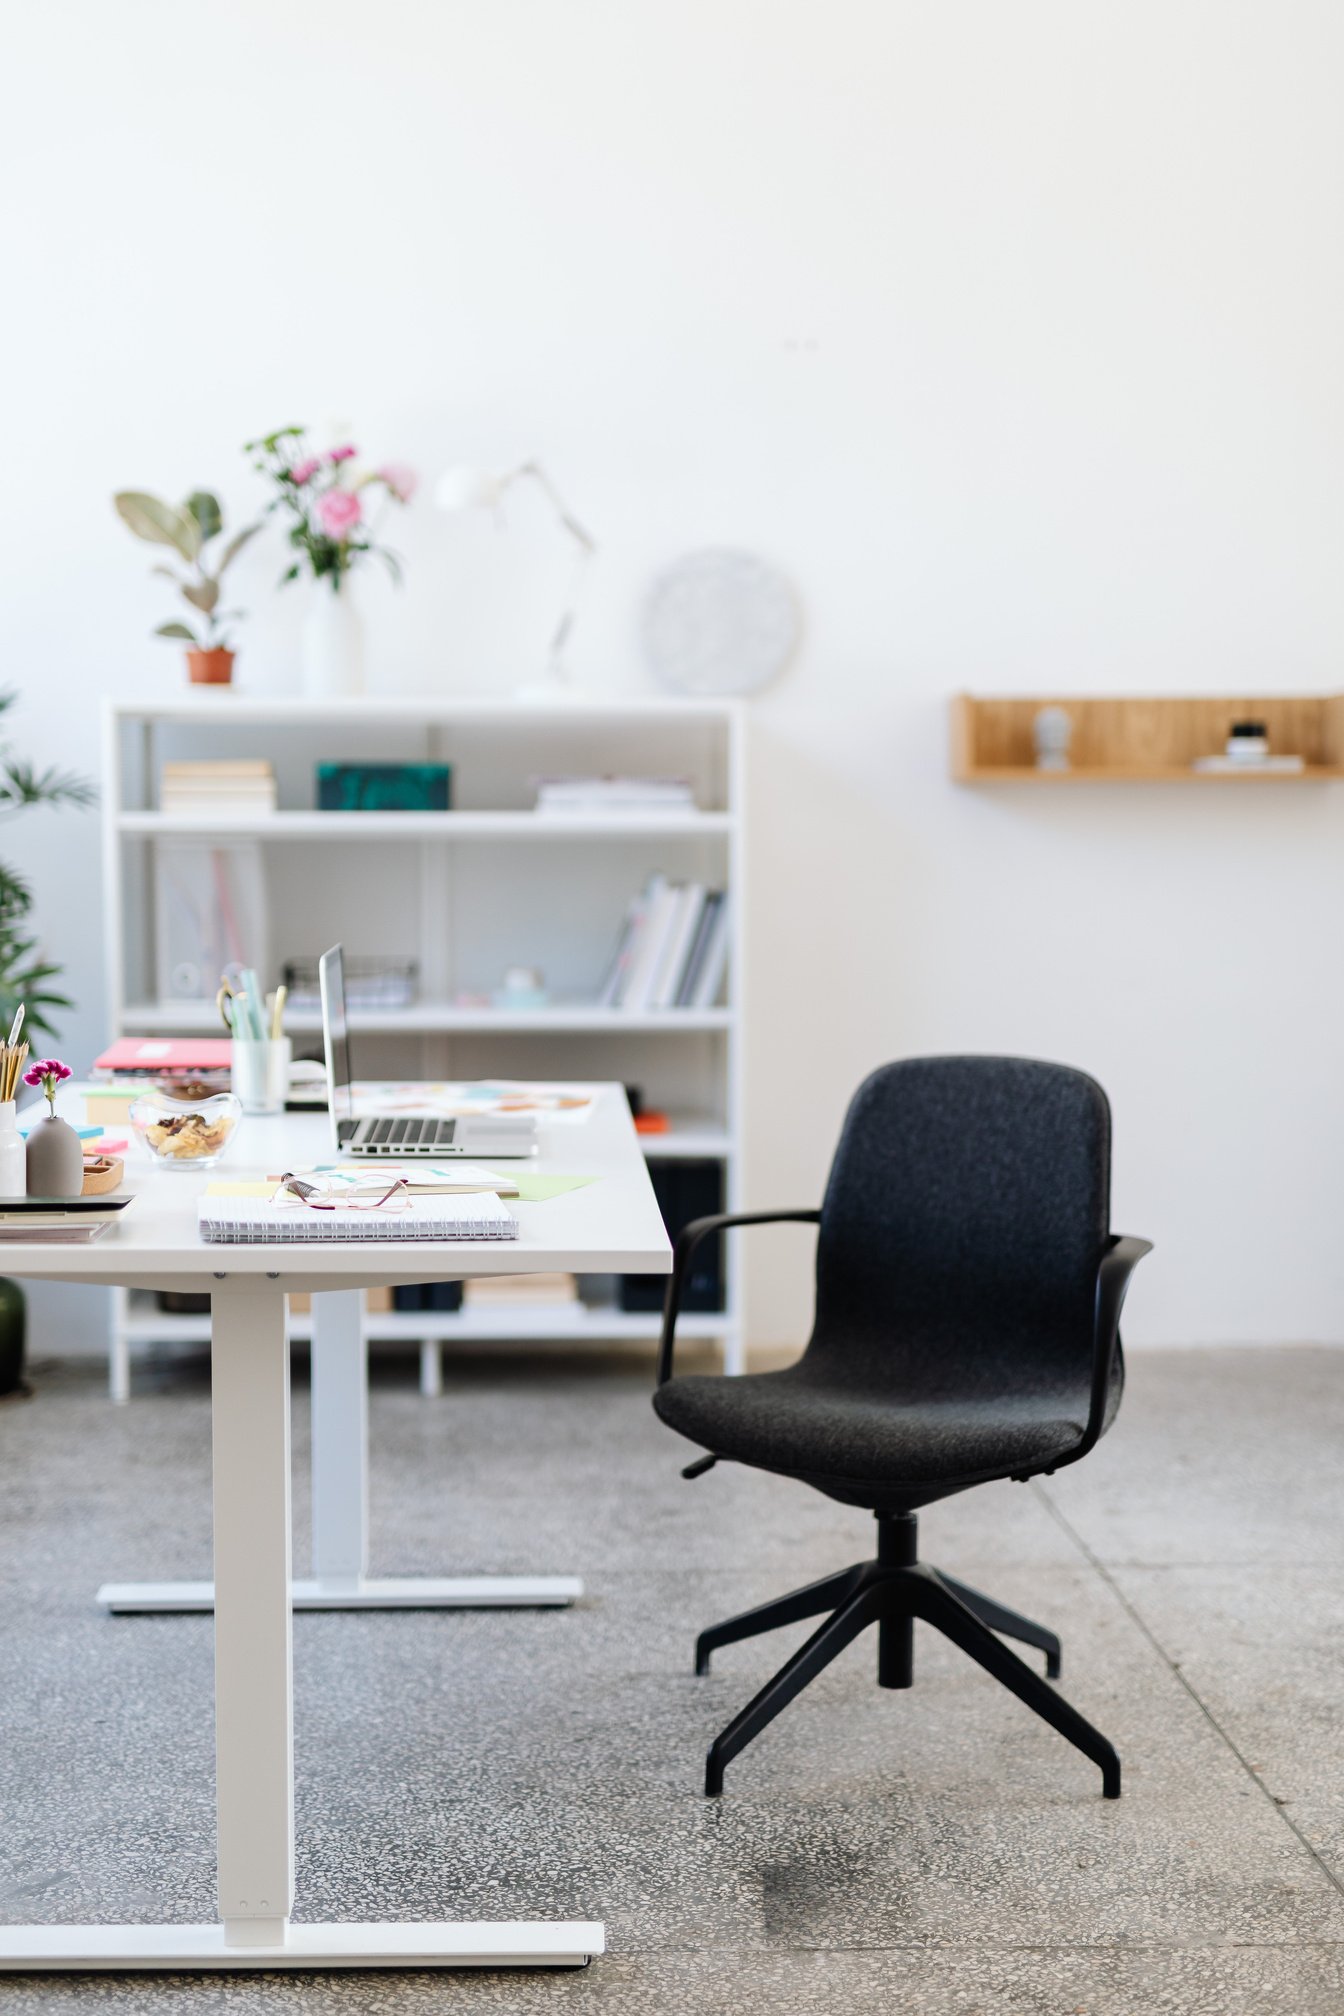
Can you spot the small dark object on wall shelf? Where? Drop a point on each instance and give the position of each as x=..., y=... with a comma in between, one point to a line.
x=383, y=787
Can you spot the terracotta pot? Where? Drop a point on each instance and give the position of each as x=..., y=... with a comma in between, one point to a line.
x=210, y=668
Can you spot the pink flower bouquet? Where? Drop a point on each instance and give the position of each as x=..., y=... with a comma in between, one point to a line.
x=325, y=498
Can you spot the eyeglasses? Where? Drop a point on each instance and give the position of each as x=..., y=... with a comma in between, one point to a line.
x=318, y=1197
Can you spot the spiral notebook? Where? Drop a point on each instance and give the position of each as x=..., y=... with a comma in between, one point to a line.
x=242, y=1221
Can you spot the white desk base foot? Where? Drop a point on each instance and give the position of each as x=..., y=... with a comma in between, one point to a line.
x=129, y=1949
x=410, y=1592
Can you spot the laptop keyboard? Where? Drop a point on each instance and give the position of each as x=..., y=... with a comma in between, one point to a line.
x=404, y=1135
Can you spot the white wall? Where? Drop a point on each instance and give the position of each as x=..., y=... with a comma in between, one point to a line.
x=1012, y=332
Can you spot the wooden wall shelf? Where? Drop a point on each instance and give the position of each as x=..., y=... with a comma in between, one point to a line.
x=1143, y=740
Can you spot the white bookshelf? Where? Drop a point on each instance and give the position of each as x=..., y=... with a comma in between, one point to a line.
x=466, y=893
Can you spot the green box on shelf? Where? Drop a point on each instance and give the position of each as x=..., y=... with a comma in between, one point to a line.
x=383, y=787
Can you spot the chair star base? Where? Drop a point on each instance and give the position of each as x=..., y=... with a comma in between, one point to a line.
x=892, y=1592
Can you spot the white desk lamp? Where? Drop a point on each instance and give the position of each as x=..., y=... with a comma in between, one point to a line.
x=463, y=488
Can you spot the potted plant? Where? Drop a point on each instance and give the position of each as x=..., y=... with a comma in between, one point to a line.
x=189, y=528
x=325, y=498
x=25, y=976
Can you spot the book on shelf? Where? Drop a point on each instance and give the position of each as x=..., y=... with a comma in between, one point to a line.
x=615, y=794
x=672, y=949
x=229, y=788
x=708, y=961
x=690, y=902
x=656, y=925
x=211, y=909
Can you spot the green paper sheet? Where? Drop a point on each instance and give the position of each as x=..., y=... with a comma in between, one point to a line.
x=540, y=1189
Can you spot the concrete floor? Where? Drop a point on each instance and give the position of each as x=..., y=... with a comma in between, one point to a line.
x=939, y=1852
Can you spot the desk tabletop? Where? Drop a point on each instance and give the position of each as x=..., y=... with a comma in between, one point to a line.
x=611, y=1225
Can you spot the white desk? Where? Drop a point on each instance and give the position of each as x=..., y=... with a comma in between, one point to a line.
x=339, y=1380
x=612, y=1225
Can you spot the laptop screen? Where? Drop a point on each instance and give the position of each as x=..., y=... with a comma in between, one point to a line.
x=335, y=1035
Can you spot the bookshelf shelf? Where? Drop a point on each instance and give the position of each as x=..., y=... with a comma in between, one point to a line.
x=444, y=1018
x=549, y=827
x=466, y=894
x=1145, y=741
x=148, y=1324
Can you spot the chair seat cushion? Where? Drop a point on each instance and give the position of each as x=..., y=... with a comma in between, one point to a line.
x=803, y=1425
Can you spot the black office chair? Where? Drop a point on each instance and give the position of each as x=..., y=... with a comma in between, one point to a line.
x=968, y=1293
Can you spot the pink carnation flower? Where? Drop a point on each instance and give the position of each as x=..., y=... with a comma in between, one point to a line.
x=339, y=512
x=48, y=1073
x=401, y=480
x=345, y=454
x=48, y=1067
x=304, y=472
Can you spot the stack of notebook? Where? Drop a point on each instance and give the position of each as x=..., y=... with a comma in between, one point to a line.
x=230, y=788
x=615, y=794
x=247, y=1221
x=58, y=1221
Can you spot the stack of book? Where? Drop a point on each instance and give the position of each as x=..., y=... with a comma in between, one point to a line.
x=230, y=788
x=672, y=950
x=614, y=794
x=520, y=1291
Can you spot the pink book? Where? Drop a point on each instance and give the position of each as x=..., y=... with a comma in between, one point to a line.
x=166, y=1053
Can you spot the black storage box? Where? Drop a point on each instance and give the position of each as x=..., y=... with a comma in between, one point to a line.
x=685, y=1190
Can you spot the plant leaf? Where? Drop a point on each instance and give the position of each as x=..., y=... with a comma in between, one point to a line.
x=16, y=897
x=235, y=547
x=21, y=784
x=203, y=507
x=161, y=524
x=202, y=595
x=176, y=630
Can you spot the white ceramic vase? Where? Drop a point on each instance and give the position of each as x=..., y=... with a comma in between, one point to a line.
x=333, y=641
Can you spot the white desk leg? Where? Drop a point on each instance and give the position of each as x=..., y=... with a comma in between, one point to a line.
x=431, y=1369
x=254, y=1727
x=119, y=1352
x=254, y=1678
x=340, y=1414
x=340, y=1507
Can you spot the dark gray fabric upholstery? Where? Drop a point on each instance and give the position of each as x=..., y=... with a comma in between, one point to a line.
x=965, y=1216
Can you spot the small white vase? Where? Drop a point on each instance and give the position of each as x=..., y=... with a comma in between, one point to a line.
x=333, y=641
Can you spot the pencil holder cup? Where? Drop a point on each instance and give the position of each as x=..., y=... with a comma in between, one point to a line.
x=13, y=1162
x=261, y=1074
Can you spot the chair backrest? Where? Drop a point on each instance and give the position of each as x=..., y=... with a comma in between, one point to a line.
x=967, y=1208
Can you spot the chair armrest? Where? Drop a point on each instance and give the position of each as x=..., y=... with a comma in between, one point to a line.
x=1116, y=1266
x=687, y=1240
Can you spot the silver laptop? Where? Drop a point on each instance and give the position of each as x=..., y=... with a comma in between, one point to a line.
x=488, y=1135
